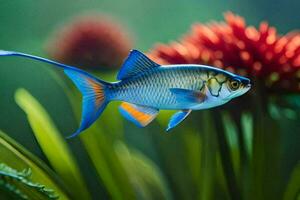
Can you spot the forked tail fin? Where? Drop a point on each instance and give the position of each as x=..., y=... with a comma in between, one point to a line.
x=94, y=99
x=93, y=90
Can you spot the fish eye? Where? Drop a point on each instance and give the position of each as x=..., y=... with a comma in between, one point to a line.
x=234, y=84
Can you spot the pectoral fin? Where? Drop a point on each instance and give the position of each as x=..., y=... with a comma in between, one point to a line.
x=188, y=96
x=139, y=115
x=177, y=118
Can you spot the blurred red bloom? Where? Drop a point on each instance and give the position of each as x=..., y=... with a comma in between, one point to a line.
x=260, y=54
x=94, y=42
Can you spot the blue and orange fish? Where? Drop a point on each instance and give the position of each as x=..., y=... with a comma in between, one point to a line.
x=145, y=87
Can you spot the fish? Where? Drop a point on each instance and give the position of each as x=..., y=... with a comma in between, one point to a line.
x=145, y=87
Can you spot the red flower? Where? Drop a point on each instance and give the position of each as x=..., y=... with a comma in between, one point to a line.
x=260, y=54
x=94, y=42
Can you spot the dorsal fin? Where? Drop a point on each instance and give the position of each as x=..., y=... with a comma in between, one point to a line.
x=135, y=63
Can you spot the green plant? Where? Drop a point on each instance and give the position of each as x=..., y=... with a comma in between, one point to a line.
x=19, y=183
x=109, y=155
x=25, y=176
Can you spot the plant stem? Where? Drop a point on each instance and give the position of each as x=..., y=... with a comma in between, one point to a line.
x=241, y=142
x=266, y=159
x=226, y=159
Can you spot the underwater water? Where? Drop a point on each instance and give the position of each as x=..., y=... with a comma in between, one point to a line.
x=246, y=149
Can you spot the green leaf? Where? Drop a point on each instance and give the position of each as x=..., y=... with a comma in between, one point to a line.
x=266, y=182
x=20, y=184
x=52, y=143
x=145, y=176
x=99, y=147
x=19, y=158
x=293, y=188
x=194, y=150
x=208, y=157
x=98, y=141
x=231, y=136
x=247, y=124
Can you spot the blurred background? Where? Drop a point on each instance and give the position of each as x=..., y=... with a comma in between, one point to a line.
x=115, y=159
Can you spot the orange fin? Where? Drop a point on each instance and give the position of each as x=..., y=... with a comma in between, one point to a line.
x=139, y=115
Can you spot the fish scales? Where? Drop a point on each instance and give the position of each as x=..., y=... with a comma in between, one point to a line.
x=152, y=88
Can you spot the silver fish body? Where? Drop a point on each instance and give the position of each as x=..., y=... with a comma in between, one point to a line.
x=152, y=88
x=146, y=87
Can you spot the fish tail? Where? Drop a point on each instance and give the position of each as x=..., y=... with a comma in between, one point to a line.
x=94, y=97
x=94, y=91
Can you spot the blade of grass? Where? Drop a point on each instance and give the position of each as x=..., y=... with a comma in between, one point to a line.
x=232, y=133
x=146, y=177
x=171, y=151
x=98, y=156
x=208, y=156
x=52, y=143
x=265, y=166
x=293, y=188
x=20, y=184
x=194, y=153
x=17, y=156
x=226, y=158
x=98, y=142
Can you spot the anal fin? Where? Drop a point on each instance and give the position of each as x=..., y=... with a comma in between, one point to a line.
x=139, y=115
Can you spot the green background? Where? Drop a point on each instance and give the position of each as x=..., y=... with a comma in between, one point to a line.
x=27, y=25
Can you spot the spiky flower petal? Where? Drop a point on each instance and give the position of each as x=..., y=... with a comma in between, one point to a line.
x=260, y=54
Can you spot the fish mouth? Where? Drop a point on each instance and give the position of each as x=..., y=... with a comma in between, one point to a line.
x=246, y=89
x=243, y=91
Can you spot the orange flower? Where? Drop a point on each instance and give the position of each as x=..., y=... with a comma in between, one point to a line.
x=260, y=54
x=94, y=42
